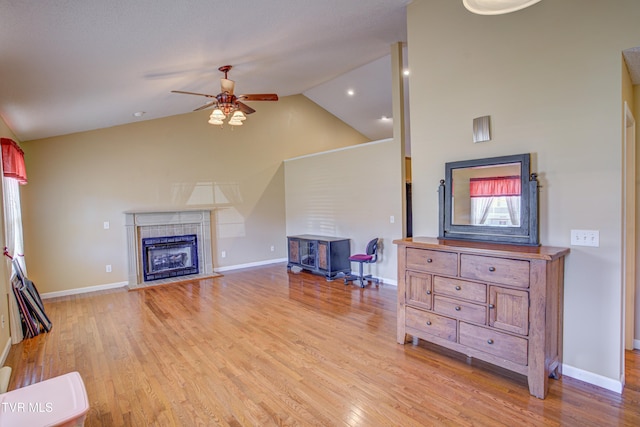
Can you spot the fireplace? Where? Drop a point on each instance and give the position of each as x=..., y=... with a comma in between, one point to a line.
x=169, y=256
x=179, y=241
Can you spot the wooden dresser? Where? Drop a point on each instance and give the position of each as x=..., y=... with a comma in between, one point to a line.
x=496, y=302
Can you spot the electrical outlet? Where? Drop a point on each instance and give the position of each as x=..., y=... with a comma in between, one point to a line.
x=585, y=238
x=273, y=248
x=223, y=254
x=392, y=219
x=106, y=225
x=108, y=268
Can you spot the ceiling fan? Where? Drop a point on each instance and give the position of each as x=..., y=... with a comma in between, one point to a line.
x=226, y=103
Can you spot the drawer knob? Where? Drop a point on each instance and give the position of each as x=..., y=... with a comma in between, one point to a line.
x=492, y=306
x=428, y=322
x=458, y=288
x=429, y=260
x=428, y=292
x=458, y=308
x=489, y=341
x=492, y=269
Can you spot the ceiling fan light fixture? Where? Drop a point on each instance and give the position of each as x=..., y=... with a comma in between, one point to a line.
x=496, y=7
x=226, y=104
x=217, y=114
x=238, y=115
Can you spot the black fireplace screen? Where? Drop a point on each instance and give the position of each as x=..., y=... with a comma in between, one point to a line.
x=171, y=256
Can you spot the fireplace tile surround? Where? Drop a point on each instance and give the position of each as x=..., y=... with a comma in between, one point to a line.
x=141, y=225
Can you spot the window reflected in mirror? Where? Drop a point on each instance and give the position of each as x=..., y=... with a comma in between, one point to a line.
x=487, y=195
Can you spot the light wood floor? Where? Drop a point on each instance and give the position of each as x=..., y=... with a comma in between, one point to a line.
x=265, y=347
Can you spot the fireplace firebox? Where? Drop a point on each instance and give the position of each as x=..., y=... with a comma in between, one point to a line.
x=171, y=256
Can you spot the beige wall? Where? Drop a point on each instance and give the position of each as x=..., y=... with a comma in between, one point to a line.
x=550, y=78
x=5, y=266
x=79, y=181
x=349, y=193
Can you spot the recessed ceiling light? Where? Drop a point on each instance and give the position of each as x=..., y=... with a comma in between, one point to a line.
x=386, y=119
x=138, y=114
x=351, y=92
x=406, y=72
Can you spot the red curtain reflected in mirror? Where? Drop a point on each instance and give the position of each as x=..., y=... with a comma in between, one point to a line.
x=495, y=186
x=488, y=194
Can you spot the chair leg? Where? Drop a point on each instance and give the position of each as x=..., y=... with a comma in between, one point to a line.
x=362, y=280
x=352, y=277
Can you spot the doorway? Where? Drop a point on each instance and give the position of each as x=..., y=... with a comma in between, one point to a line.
x=630, y=240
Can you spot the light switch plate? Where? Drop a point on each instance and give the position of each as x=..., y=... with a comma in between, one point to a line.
x=585, y=238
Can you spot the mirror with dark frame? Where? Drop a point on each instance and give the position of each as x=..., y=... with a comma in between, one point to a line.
x=490, y=200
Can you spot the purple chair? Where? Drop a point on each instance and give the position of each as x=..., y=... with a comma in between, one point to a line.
x=369, y=257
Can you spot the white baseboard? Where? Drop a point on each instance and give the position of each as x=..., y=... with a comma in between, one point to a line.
x=591, y=378
x=636, y=344
x=88, y=289
x=83, y=290
x=392, y=282
x=108, y=286
x=250, y=264
x=5, y=352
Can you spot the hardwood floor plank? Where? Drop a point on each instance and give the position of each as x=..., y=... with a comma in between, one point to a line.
x=263, y=347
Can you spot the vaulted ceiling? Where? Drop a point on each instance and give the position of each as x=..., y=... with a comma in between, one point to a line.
x=76, y=65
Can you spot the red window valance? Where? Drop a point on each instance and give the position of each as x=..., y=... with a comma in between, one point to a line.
x=495, y=186
x=13, y=160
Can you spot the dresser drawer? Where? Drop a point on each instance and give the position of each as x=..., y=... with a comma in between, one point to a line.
x=471, y=291
x=460, y=309
x=432, y=261
x=431, y=324
x=495, y=343
x=509, y=272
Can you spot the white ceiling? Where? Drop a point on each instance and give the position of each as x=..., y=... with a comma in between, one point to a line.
x=75, y=65
x=371, y=99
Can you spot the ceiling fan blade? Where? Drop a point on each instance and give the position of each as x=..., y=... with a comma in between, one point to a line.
x=259, y=97
x=227, y=85
x=193, y=93
x=207, y=105
x=245, y=108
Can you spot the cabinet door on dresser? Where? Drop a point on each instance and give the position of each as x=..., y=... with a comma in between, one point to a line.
x=509, y=309
x=418, y=291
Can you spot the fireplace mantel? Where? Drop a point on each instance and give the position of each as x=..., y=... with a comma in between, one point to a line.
x=145, y=224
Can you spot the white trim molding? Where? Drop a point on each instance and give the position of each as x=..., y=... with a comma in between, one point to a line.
x=5, y=352
x=594, y=379
x=88, y=289
x=249, y=264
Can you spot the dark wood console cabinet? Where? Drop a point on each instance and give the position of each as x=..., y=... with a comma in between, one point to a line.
x=499, y=303
x=324, y=255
